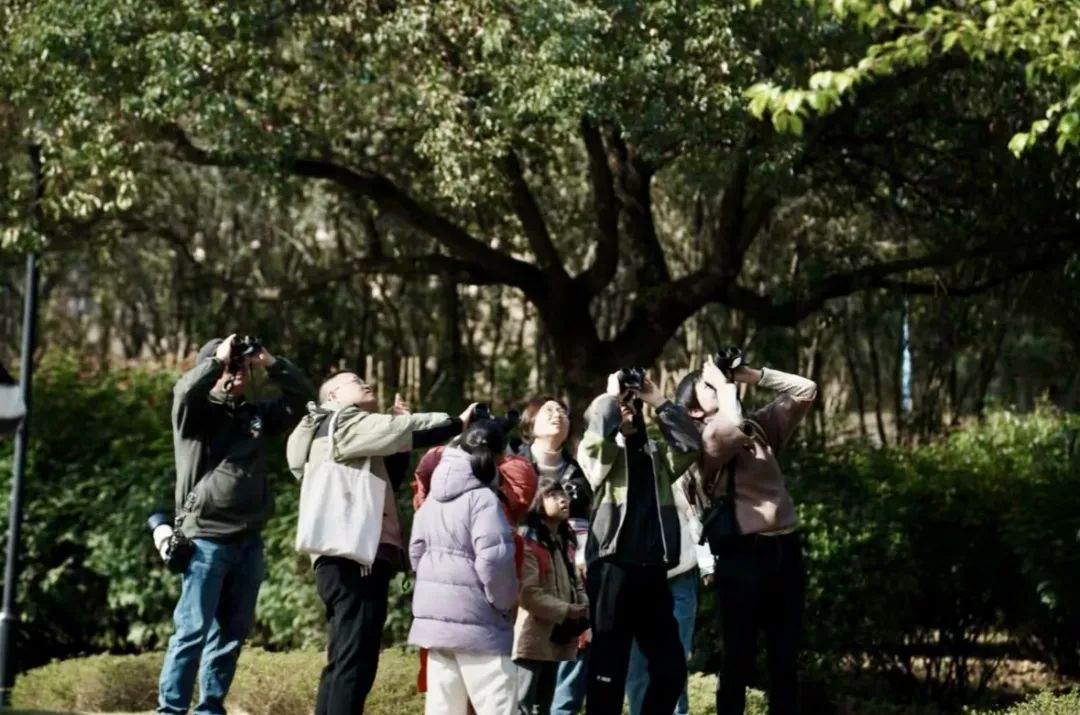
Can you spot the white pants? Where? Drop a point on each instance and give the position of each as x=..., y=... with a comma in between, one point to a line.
x=454, y=680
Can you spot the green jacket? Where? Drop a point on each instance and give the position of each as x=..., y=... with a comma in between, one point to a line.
x=219, y=443
x=604, y=462
x=363, y=440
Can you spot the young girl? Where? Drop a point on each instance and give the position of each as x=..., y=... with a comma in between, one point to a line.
x=462, y=549
x=544, y=429
x=553, y=606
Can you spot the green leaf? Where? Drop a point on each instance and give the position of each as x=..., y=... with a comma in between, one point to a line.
x=1019, y=143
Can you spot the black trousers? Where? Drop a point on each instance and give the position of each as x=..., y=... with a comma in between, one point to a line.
x=355, y=616
x=627, y=603
x=536, y=685
x=761, y=584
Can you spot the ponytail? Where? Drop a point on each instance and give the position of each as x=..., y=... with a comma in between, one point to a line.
x=484, y=442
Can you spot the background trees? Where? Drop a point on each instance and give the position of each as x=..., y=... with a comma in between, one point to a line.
x=576, y=185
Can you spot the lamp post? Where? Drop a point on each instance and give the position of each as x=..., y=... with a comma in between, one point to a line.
x=9, y=618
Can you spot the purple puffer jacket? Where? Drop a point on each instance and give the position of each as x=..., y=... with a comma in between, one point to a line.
x=462, y=550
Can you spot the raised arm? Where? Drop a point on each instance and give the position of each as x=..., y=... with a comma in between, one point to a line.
x=296, y=391
x=681, y=434
x=360, y=434
x=780, y=417
x=597, y=450
x=190, y=393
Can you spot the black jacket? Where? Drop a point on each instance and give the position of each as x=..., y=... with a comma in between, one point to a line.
x=220, y=447
x=573, y=480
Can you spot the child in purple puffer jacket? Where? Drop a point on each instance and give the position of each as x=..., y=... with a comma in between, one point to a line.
x=462, y=549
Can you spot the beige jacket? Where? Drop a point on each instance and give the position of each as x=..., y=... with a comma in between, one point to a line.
x=545, y=600
x=762, y=502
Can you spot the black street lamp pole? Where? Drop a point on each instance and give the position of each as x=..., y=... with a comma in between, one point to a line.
x=9, y=618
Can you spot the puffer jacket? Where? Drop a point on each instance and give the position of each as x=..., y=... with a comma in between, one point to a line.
x=517, y=482
x=462, y=549
x=547, y=590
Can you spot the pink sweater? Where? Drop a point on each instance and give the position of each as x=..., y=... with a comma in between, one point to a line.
x=762, y=502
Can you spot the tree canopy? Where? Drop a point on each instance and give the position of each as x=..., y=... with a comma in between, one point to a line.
x=602, y=159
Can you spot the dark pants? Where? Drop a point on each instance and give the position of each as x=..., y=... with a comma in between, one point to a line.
x=536, y=685
x=761, y=584
x=355, y=616
x=629, y=603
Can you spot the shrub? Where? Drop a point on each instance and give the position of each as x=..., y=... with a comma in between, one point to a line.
x=98, y=683
x=285, y=683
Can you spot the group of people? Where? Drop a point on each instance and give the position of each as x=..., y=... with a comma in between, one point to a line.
x=547, y=578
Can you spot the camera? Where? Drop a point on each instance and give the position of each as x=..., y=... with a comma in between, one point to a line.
x=244, y=347
x=728, y=360
x=506, y=422
x=569, y=629
x=630, y=378
x=175, y=548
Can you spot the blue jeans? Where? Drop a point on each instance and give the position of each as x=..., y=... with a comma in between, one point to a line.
x=684, y=591
x=571, y=682
x=213, y=617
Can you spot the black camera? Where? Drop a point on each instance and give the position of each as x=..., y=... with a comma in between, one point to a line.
x=630, y=378
x=728, y=360
x=569, y=629
x=244, y=347
x=178, y=548
x=506, y=422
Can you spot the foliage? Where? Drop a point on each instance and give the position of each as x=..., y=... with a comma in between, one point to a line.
x=595, y=157
x=922, y=560
x=1042, y=35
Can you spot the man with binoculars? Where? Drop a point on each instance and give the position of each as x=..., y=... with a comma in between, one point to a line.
x=222, y=501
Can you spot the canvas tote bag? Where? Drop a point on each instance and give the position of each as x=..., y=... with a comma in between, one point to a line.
x=341, y=509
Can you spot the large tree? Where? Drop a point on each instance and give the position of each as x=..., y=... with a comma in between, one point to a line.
x=576, y=152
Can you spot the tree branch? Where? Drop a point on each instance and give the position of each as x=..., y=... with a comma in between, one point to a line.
x=606, y=205
x=789, y=313
x=635, y=179
x=456, y=269
x=532, y=220
x=392, y=200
